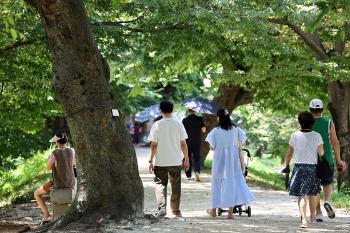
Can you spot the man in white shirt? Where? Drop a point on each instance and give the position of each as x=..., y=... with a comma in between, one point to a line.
x=168, y=138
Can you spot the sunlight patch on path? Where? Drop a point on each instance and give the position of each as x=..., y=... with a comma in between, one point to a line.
x=272, y=211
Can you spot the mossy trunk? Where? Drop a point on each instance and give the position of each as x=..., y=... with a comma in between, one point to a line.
x=109, y=183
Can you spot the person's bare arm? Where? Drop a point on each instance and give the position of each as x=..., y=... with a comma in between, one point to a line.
x=184, y=150
x=289, y=155
x=153, y=151
x=204, y=129
x=320, y=150
x=51, y=162
x=336, y=148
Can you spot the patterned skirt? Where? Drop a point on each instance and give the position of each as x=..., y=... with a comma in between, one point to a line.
x=304, y=181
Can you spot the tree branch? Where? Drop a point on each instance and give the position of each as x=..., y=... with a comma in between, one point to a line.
x=312, y=40
x=2, y=90
x=340, y=46
x=176, y=26
x=16, y=45
x=244, y=97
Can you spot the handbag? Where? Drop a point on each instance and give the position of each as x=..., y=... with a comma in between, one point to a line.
x=323, y=170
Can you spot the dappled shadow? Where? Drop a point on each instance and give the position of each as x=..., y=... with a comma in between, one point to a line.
x=272, y=211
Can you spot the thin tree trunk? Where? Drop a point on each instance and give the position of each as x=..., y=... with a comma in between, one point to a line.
x=339, y=102
x=109, y=182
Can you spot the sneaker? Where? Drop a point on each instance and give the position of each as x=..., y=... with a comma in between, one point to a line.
x=161, y=213
x=197, y=177
x=319, y=217
x=329, y=209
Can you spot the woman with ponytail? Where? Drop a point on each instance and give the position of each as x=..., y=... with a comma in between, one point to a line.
x=228, y=186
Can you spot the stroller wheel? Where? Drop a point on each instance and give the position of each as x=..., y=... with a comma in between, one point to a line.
x=249, y=211
x=220, y=211
x=240, y=210
x=235, y=211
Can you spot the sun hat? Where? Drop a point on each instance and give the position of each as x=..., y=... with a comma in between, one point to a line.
x=58, y=136
x=316, y=104
x=54, y=139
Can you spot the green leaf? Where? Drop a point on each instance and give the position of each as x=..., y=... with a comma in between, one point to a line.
x=13, y=33
x=342, y=35
x=316, y=24
x=10, y=20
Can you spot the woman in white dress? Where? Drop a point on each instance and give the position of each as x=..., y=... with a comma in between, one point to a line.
x=228, y=185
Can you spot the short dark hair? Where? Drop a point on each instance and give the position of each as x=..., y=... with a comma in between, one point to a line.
x=166, y=106
x=316, y=110
x=306, y=120
x=61, y=134
x=224, y=119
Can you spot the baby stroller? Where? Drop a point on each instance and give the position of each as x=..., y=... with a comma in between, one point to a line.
x=244, y=157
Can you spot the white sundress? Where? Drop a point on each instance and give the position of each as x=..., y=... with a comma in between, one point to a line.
x=228, y=185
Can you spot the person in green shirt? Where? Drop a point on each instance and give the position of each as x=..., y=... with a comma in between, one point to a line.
x=326, y=128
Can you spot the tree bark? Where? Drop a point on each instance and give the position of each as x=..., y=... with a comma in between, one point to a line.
x=229, y=96
x=339, y=102
x=108, y=180
x=338, y=93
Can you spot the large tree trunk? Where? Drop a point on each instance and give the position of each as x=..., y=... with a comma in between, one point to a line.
x=109, y=182
x=339, y=102
x=229, y=96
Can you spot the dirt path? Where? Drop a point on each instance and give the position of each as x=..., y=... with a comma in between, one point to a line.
x=272, y=211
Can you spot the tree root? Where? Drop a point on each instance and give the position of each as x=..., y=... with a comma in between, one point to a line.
x=74, y=223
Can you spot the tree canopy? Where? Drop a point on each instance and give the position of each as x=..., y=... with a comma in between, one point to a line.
x=286, y=52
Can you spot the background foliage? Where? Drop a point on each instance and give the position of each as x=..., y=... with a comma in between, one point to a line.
x=167, y=49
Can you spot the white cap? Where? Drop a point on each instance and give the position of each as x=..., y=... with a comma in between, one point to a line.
x=54, y=139
x=316, y=104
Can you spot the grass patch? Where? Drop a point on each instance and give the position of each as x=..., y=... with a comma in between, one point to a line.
x=266, y=172
x=341, y=199
x=18, y=185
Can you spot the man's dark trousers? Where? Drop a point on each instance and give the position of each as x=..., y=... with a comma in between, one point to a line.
x=194, y=155
x=162, y=174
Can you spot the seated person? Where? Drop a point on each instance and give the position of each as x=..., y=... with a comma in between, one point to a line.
x=61, y=162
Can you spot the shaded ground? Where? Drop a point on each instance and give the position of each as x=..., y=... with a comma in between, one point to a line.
x=273, y=211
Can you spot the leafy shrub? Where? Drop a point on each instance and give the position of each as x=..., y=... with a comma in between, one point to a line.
x=266, y=129
x=18, y=185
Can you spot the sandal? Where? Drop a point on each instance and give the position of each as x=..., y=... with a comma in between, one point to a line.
x=46, y=220
x=211, y=213
x=303, y=224
x=312, y=219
